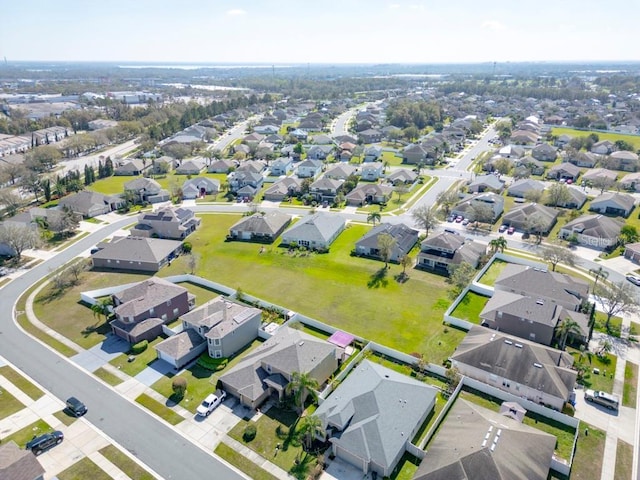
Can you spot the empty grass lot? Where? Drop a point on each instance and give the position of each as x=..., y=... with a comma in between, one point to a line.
x=124, y=463
x=470, y=307
x=630, y=391
x=82, y=470
x=352, y=293
x=21, y=382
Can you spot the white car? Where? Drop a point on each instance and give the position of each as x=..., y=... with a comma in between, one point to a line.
x=210, y=403
x=633, y=279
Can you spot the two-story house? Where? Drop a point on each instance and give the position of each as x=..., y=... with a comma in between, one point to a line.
x=166, y=222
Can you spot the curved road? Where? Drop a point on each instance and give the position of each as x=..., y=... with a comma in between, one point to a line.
x=153, y=442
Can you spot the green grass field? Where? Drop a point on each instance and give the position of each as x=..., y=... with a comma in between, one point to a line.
x=21, y=382
x=470, y=307
x=124, y=463
x=83, y=470
x=22, y=436
x=630, y=390
x=237, y=460
x=612, y=137
x=587, y=462
x=492, y=273
x=159, y=409
x=8, y=404
x=624, y=461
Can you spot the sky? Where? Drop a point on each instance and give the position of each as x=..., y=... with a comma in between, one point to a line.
x=320, y=31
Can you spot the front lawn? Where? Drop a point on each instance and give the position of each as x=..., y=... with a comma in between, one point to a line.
x=107, y=376
x=493, y=272
x=606, y=366
x=22, y=436
x=615, y=324
x=83, y=470
x=237, y=460
x=124, y=463
x=159, y=409
x=630, y=391
x=624, y=461
x=470, y=307
x=8, y=404
x=21, y=382
x=587, y=462
x=199, y=385
x=140, y=361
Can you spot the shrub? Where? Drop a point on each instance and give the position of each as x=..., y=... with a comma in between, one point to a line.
x=249, y=433
x=568, y=409
x=187, y=247
x=213, y=364
x=179, y=386
x=138, y=348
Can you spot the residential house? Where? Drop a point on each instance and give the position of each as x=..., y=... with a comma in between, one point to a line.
x=325, y=189
x=519, y=188
x=564, y=171
x=322, y=139
x=372, y=153
x=444, y=250
x=260, y=227
x=418, y=153
x=268, y=369
x=283, y=188
x=266, y=129
x=486, y=183
x=373, y=415
x=368, y=193
x=529, y=317
x=544, y=153
x=522, y=217
x=341, y=171
x=371, y=172
x=405, y=239
x=131, y=166
x=162, y=165
x=583, y=159
x=221, y=327
x=300, y=134
x=596, y=175
x=559, y=288
x=141, y=309
x=596, y=231
x=534, y=166
x=135, y=253
x=309, y=168
x=244, y=183
x=511, y=151
x=281, y=166
x=19, y=464
x=370, y=135
x=192, y=166
x=166, y=222
x=345, y=138
x=316, y=231
x=524, y=137
x=402, y=176
x=474, y=442
x=198, y=187
x=612, y=203
x=221, y=166
x=466, y=206
x=603, y=147
x=253, y=166
x=575, y=200
x=146, y=190
x=253, y=138
x=624, y=160
x=631, y=181
x=632, y=252
x=525, y=369
x=319, y=152
x=91, y=204
x=241, y=148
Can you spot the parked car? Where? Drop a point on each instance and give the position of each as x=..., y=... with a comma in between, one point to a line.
x=210, y=403
x=633, y=279
x=503, y=228
x=465, y=221
x=510, y=230
x=602, y=398
x=43, y=442
x=75, y=407
x=459, y=219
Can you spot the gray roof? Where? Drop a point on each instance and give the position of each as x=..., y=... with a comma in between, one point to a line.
x=457, y=451
x=361, y=191
x=566, y=167
x=177, y=346
x=490, y=181
x=319, y=227
x=191, y=165
x=517, y=360
x=522, y=213
x=262, y=223
x=402, y=174
x=405, y=236
x=623, y=200
x=137, y=249
x=524, y=185
x=220, y=316
x=597, y=226
x=463, y=250
x=624, y=155
x=288, y=351
x=376, y=409
x=284, y=186
x=142, y=183
x=596, y=173
x=342, y=170
x=521, y=307
x=326, y=183
x=18, y=464
x=146, y=294
x=81, y=202
x=198, y=182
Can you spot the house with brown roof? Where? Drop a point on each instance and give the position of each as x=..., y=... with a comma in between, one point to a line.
x=442, y=251
x=19, y=464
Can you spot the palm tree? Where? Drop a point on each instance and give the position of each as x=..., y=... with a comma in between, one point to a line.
x=604, y=347
x=102, y=308
x=498, y=244
x=309, y=428
x=567, y=327
x=598, y=273
x=374, y=217
x=301, y=386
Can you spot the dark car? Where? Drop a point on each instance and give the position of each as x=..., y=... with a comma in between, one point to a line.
x=43, y=442
x=76, y=407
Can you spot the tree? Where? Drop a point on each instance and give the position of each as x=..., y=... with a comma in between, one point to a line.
x=11, y=202
x=67, y=221
x=30, y=181
x=603, y=183
x=76, y=269
x=502, y=165
x=426, y=217
x=555, y=254
x=102, y=308
x=42, y=158
x=567, y=327
x=628, y=234
x=533, y=196
x=374, y=217
x=498, y=244
x=481, y=212
x=447, y=199
x=301, y=386
x=537, y=225
x=616, y=299
x=557, y=194
x=386, y=244
x=309, y=427
x=11, y=172
x=401, y=190
x=192, y=263
x=179, y=386
x=604, y=347
x=406, y=261
x=19, y=237
x=453, y=379
x=46, y=189
x=460, y=277
x=597, y=274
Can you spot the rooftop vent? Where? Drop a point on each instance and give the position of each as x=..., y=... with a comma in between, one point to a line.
x=539, y=302
x=301, y=343
x=508, y=342
x=537, y=365
x=518, y=345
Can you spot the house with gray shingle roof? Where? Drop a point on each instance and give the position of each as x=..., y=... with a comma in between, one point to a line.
x=192, y=166
x=131, y=166
x=309, y=168
x=405, y=238
x=316, y=231
x=441, y=252
x=325, y=189
x=538, y=373
x=268, y=369
x=544, y=153
x=520, y=187
x=596, y=231
x=19, y=464
x=221, y=166
x=461, y=449
x=484, y=183
x=402, y=176
x=372, y=153
x=564, y=171
x=521, y=217
x=467, y=206
x=281, y=166
x=612, y=203
x=199, y=187
x=146, y=190
x=166, y=222
x=319, y=152
x=373, y=415
x=90, y=204
x=575, y=200
x=135, y=253
x=341, y=171
x=282, y=188
x=260, y=227
x=369, y=193
x=371, y=171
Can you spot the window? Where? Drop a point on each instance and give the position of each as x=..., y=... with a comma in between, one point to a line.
x=175, y=311
x=164, y=317
x=152, y=311
x=532, y=336
x=218, y=354
x=169, y=303
x=216, y=342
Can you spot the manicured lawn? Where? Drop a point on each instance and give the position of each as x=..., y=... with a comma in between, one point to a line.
x=470, y=307
x=156, y=407
x=353, y=293
x=115, y=184
x=392, y=159
x=492, y=273
x=199, y=385
x=8, y=404
x=630, y=390
x=634, y=330
x=21, y=382
x=82, y=470
x=607, y=366
x=615, y=324
x=22, y=436
x=237, y=460
x=124, y=463
x=406, y=468
x=624, y=461
x=587, y=462
x=65, y=418
x=107, y=376
x=141, y=361
x=613, y=137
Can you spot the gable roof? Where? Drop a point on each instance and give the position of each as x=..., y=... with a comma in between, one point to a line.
x=622, y=200
x=146, y=294
x=522, y=213
x=137, y=249
x=361, y=191
x=262, y=223
x=524, y=185
x=405, y=236
x=596, y=173
x=377, y=410
x=521, y=307
x=402, y=174
x=597, y=226
x=220, y=316
x=18, y=464
x=527, y=363
x=457, y=451
x=142, y=183
x=84, y=200
x=284, y=186
x=317, y=227
x=490, y=181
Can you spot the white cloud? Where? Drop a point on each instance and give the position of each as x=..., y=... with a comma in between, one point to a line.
x=236, y=12
x=493, y=25
x=416, y=7
x=394, y=6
